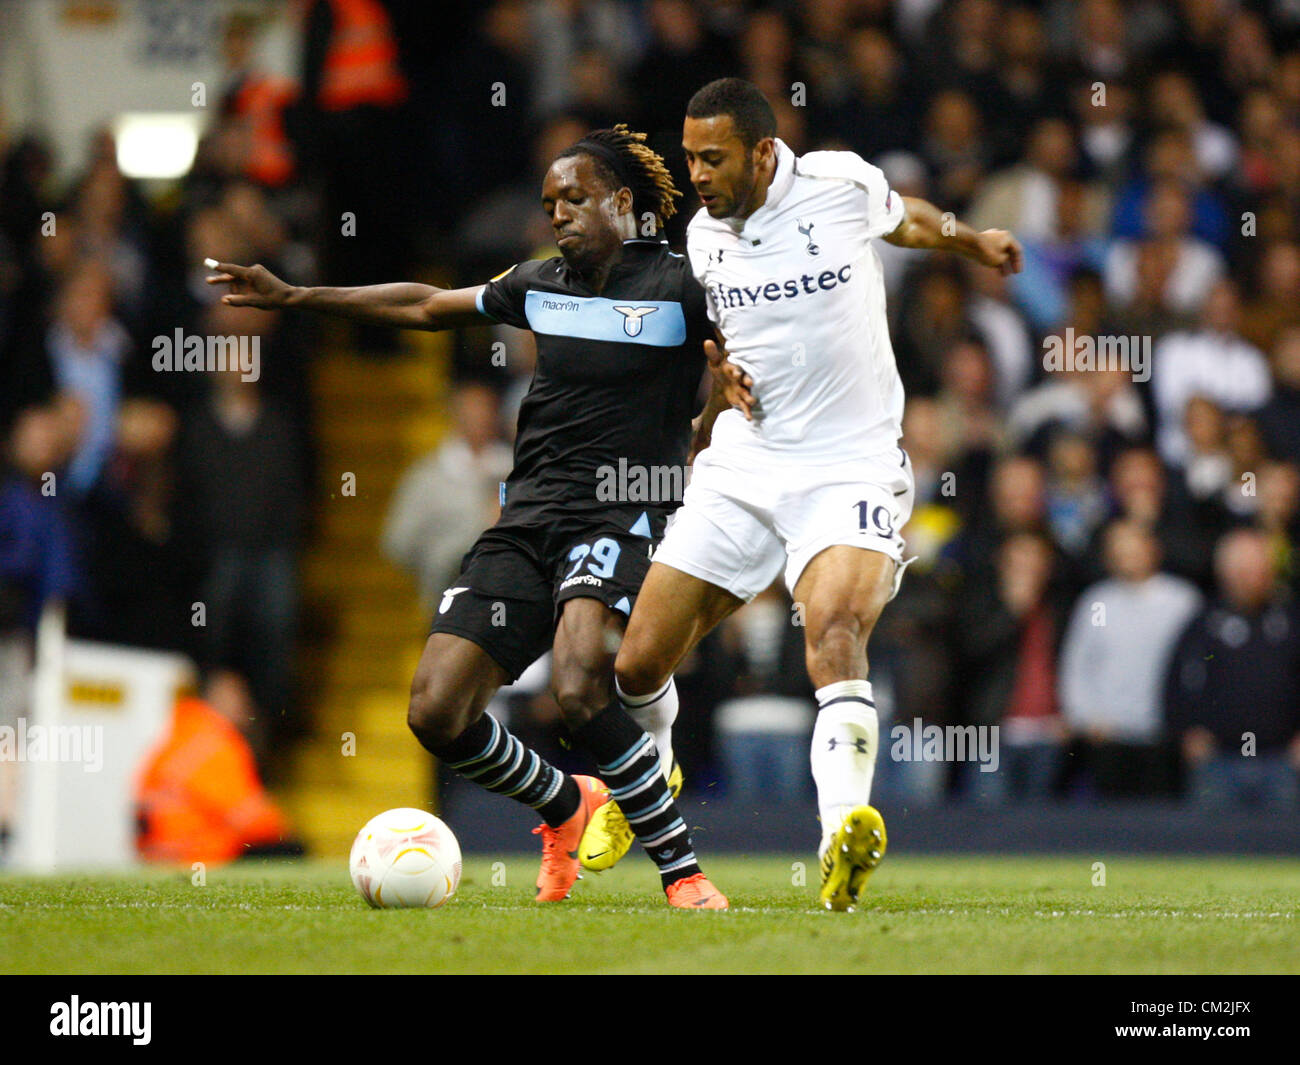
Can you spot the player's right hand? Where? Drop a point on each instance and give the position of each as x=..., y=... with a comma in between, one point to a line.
x=736, y=384
x=250, y=286
x=1000, y=250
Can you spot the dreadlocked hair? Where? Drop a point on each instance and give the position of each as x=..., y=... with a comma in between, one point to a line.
x=643, y=170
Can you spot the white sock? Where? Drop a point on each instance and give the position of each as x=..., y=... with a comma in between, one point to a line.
x=655, y=713
x=843, y=751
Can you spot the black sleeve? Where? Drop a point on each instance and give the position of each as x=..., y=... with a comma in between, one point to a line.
x=503, y=297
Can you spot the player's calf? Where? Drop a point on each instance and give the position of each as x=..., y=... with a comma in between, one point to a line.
x=452, y=686
x=836, y=637
x=630, y=767
x=609, y=836
x=625, y=754
x=845, y=589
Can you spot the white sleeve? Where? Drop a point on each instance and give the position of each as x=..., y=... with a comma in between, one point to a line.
x=882, y=207
x=697, y=253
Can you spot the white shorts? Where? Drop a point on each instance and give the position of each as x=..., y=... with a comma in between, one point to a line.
x=741, y=524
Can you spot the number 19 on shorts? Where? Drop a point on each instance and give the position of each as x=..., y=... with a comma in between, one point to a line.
x=875, y=519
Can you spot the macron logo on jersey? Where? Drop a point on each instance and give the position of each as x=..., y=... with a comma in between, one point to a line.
x=727, y=296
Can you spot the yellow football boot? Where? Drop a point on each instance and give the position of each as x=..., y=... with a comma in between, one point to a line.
x=608, y=836
x=854, y=852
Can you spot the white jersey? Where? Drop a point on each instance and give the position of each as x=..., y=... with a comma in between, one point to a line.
x=798, y=294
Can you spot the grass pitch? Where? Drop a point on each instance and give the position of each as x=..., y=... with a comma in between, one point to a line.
x=950, y=914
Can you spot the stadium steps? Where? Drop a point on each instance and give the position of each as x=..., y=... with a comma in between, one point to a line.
x=364, y=628
x=364, y=574
x=342, y=673
x=336, y=813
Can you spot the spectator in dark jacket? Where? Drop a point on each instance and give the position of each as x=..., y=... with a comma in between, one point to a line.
x=241, y=468
x=143, y=567
x=1009, y=636
x=1232, y=695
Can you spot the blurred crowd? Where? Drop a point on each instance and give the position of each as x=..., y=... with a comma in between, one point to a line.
x=1106, y=556
x=166, y=506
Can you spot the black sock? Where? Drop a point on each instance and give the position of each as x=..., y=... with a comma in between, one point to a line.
x=630, y=767
x=491, y=757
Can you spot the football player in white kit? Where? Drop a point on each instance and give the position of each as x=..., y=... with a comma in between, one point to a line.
x=806, y=480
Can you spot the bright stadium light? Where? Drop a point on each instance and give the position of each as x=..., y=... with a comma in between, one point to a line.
x=156, y=144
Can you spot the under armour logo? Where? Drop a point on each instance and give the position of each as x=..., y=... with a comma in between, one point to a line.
x=632, y=318
x=806, y=230
x=447, y=597
x=716, y=256
x=859, y=745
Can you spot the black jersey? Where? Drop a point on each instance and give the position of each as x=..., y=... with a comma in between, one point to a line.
x=616, y=379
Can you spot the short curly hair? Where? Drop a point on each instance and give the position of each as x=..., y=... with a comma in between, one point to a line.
x=742, y=101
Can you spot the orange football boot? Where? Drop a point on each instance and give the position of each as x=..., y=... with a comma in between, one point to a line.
x=560, y=864
x=696, y=893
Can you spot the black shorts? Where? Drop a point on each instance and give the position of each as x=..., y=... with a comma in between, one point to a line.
x=515, y=579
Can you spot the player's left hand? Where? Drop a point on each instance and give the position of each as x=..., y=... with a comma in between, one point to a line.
x=1000, y=250
x=736, y=384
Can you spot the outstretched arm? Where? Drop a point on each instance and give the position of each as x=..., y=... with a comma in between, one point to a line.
x=406, y=305
x=925, y=226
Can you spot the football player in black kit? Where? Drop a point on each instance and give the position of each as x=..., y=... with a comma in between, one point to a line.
x=620, y=324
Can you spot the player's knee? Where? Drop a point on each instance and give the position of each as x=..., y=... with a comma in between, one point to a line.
x=838, y=636
x=435, y=714
x=638, y=674
x=837, y=624
x=581, y=697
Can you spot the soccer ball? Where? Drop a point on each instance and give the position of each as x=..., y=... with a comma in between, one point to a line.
x=405, y=858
